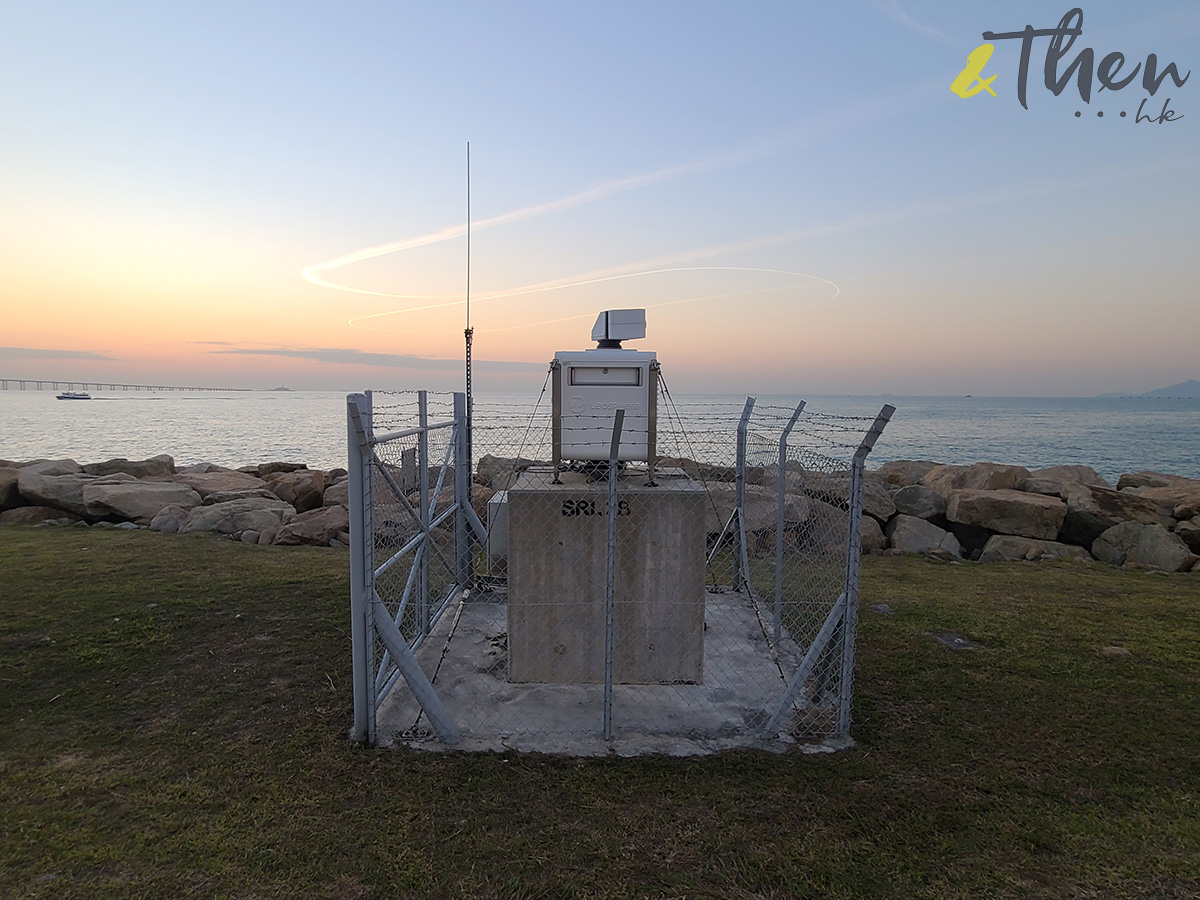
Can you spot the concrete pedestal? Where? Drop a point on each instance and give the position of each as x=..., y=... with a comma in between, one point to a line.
x=556, y=580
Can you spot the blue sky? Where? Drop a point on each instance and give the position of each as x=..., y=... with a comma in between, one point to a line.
x=818, y=211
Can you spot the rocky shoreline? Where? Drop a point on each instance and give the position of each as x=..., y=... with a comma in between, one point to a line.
x=984, y=512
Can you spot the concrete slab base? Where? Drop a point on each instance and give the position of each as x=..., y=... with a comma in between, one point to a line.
x=466, y=659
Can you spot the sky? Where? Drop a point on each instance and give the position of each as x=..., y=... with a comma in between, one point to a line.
x=255, y=194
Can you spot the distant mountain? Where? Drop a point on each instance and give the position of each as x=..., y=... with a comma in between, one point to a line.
x=1187, y=390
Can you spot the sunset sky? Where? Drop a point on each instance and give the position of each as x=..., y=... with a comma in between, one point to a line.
x=253, y=194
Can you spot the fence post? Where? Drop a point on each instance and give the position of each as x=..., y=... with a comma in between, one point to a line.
x=853, y=566
x=781, y=475
x=423, y=493
x=610, y=571
x=462, y=491
x=740, y=573
x=358, y=425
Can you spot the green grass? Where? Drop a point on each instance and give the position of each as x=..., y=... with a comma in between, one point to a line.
x=174, y=712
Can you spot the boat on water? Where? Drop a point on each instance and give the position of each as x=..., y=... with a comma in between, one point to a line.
x=74, y=395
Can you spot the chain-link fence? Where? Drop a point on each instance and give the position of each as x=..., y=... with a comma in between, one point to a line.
x=698, y=598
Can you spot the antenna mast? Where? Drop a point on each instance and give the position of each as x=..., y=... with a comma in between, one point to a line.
x=469, y=332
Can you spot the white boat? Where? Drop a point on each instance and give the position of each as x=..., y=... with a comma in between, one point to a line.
x=74, y=395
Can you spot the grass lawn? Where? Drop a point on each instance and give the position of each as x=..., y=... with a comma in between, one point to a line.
x=174, y=712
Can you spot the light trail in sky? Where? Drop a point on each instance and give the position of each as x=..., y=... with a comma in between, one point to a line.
x=562, y=285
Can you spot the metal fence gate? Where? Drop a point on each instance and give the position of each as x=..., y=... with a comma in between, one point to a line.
x=705, y=602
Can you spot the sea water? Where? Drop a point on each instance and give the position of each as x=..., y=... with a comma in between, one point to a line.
x=235, y=428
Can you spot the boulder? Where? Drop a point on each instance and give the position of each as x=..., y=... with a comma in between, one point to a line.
x=1007, y=512
x=337, y=494
x=226, y=496
x=905, y=472
x=303, y=488
x=908, y=534
x=1010, y=546
x=156, y=466
x=1189, y=532
x=333, y=476
x=136, y=501
x=262, y=470
x=1034, y=485
x=1144, y=479
x=760, y=507
x=33, y=515
x=169, y=519
x=919, y=501
x=63, y=492
x=1146, y=545
x=234, y=516
x=500, y=472
x=205, y=483
x=834, y=489
x=1092, y=510
x=873, y=538
x=317, y=526
x=250, y=537
x=52, y=467
x=1070, y=475
x=977, y=477
x=10, y=494
x=1181, y=497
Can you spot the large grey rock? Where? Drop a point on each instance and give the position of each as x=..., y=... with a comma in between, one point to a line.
x=1010, y=546
x=226, y=496
x=1007, y=512
x=1033, y=485
x=338, y=494
x=1144, y=479
x=1070, y=475
x=909, y=534
x=834, y=489
x=303, y=488
x=1147, y=545
x=52, y=467
x=1180, y=498
x=977, y=477
x=760, y=507
x=252, y=513
x=873, y=538
x=317, y=526
x=1092, y=510
x=169, y=519
x=919, y=501
x=156, y=466
x=137, y=501
x=498, y=472
x=32, y=515
x=205, y=483
x=905, y=472
x=63, y=492
x=10, y=494
x=1189, y=532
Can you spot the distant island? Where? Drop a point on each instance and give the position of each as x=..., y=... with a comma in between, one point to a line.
x=1186, y=390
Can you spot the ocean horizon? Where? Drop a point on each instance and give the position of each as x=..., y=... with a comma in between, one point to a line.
x=1113, y=435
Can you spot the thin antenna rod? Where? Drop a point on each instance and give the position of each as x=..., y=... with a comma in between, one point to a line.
x=469, y=332
x=468, y=235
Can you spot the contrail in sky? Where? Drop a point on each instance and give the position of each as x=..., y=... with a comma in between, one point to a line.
x=806, y=133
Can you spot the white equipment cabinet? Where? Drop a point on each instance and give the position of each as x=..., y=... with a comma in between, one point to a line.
x=589, y=386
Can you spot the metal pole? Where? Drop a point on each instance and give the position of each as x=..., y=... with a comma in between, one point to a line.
x=853, y=566
x=462, y=492
x=739, y=503
x=423, y=493
x=358, y=417
x=781, y=478
x=610, y=563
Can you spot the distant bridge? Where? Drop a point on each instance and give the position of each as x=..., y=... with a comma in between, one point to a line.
x=45, y=384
